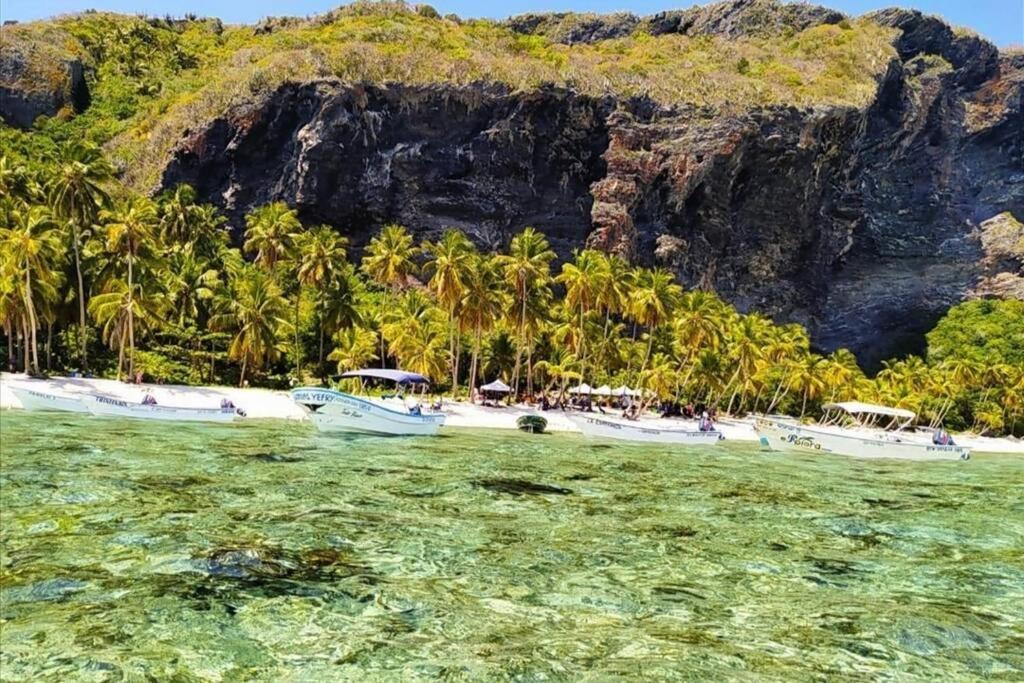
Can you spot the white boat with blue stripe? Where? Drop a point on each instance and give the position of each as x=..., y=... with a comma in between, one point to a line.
x=336, y=411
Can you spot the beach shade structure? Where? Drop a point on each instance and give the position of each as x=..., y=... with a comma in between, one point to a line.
x=603, y=390
x=496, y=387
x=623, y=391
x=581, y=389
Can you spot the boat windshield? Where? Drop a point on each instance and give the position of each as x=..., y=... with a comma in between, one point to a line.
x=867, y=415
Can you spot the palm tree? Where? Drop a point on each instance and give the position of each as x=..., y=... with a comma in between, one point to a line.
x=450, y=262
x=254, y=310
x=559, y=369
x=178, y=216
x=415, y=331
x=527, y=269
x=746, y=349
x=129, y=236
x=269, y=233
x=652, y=301
x=77, y=195
x=30, y=250
x=585, y=280
x=388, y=260
x=483, y=305
x=808, y=378
x=321, y=261
x=354, y=348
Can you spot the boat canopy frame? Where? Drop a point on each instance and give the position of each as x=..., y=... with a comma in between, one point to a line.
x=868, y=415
x=396, y=376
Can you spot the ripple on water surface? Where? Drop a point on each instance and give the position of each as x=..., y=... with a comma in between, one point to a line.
x=268, y=551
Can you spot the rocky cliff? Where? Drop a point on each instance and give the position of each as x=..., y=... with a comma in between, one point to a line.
x=863, y=222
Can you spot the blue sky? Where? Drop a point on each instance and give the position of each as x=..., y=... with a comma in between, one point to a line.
x=1001, y=21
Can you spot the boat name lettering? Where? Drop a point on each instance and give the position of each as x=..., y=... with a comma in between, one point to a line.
x=803, y=441
x=112, y=401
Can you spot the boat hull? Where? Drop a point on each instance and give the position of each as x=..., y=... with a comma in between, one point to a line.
x=105, y=406
x=334, y=411
x=31, y=399
x=607, y=429
x=783, y=436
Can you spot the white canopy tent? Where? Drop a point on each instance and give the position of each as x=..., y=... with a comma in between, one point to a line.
x=581, y=389
x=497, y=387
x=603, y=390
x=623, y=391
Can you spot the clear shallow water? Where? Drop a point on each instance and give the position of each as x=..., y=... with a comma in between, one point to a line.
x=268, y=551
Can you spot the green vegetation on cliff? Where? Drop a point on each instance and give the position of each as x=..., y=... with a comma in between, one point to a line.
x=153, y=79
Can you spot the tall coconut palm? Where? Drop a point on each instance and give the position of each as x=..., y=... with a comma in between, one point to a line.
x=746, y=349
x=449, y=264
x=652, y=302
x=269, y=233
x=354, y=348
x=178, y=216
x=585, y=279
x=253, y=309
x=321, y=261
x=527, y=269
x=808, y=377
x=77, y=194
x=389, y=261
x=30, y=250
x=483, y=305
x=130, y=233
x=415, y=332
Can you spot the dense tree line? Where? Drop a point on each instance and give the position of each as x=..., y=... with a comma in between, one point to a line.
x=96, y=279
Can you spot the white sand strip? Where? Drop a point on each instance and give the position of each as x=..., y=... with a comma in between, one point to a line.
x=265, y=403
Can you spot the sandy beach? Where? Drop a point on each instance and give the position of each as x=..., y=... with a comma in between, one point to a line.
x=269, y=404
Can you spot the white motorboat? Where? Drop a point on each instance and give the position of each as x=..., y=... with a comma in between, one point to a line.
x=602, y=428
x=336, y=411
x=49, y=400
x=107, y=406
x=861, y=439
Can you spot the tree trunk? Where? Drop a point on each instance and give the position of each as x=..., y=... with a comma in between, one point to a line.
x=383, y=353
x=30, y=307
x=519, y=346
x=49, y=346
x=131, y=322
x=803, y=408
x=473, y=364
x=241, y=379
x=120, y=354
x=24, y=343
x=298, y=299
x=81, y=298
x=11, y=361
x=320, y=358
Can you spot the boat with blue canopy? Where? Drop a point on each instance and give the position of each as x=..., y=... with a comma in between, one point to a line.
x=337, y=411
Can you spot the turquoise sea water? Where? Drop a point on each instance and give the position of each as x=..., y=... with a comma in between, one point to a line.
x=138, y=551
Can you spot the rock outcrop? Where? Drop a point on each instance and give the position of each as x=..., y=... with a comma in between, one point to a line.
x=39, y=77
x=865, y=224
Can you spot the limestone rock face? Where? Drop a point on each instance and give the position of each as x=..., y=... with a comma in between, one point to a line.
x=864, y=224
